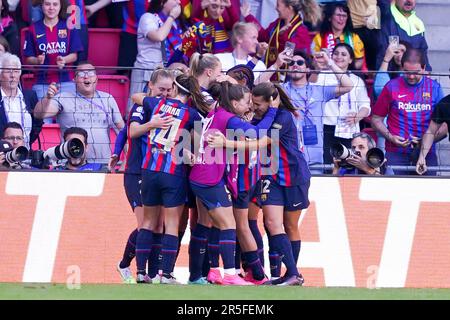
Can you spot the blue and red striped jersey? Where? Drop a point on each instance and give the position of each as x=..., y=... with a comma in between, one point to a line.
x=58, y=41
x=249, y=173
x=136, y=148
x=132, y=13
x=408, y=108
x=78, y=15
x=163, y=151
x=288, y=166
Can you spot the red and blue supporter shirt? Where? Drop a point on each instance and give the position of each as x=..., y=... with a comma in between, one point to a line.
x=74, y=14
x=161, y=148
x=53, y=42
x=408, y=108
x=132, y=13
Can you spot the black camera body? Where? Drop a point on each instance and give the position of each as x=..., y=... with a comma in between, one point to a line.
x=73, y=148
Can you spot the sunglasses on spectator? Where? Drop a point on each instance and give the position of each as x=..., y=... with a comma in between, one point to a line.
x=89, y=73
x=361, y=135
x=12, y=138
x=298, y=62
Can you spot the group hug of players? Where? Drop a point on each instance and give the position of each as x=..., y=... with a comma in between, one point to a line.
x=222, y=199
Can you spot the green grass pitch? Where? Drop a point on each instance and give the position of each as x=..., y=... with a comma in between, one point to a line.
x=19, y=291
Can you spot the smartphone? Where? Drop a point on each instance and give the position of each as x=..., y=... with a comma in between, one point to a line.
x=395, y=40
x=289, y=48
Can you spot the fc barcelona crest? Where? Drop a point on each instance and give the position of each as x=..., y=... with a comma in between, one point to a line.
x=263, y=197
x=62, y=33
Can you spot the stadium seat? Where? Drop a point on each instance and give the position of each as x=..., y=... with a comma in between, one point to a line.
x=25, y=7
x=49, y=137
x=102, y=19
x=118, y=87
x=28, y=81
x=104, y=48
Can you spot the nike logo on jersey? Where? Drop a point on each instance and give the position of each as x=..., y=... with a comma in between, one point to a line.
x=40, y=35
x=297, y=204
x=401, y=96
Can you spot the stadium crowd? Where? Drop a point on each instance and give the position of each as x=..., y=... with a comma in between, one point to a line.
x=231, y=106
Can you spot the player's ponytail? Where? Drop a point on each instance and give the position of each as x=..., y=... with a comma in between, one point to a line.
x=188, y=86
x=285, y=101
x=200, y=62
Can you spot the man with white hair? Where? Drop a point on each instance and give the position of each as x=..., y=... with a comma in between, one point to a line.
x=17, y=105
x=93, y=110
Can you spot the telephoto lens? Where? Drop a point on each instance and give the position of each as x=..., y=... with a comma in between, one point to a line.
x=375, y=158
x=16, y=155
x=73, y=148
x=339, y=151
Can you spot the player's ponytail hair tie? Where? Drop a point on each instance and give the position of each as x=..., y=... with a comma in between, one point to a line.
x=181, y=87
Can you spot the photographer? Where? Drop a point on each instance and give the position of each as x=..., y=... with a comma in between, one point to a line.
x=79, y=163
x=14, y=136
x=357, y=162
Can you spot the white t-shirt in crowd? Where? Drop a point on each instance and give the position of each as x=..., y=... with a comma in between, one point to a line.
x=149, y=52
x=229, y=61
x=338, y=108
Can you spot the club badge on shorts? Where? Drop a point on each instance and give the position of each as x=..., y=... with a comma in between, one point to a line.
x=263, y=197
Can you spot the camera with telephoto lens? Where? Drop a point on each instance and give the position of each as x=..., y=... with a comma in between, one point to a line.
x=341, y=152
x=73, y=148
x=375, y=156
x=13, y=155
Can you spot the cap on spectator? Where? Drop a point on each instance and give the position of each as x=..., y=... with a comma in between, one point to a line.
x=5, y=146
x=243, y=75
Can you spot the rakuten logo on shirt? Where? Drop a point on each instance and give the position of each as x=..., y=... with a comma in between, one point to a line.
x=53, y=47
x=414, y=107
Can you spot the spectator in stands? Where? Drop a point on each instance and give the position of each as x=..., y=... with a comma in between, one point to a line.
x=50, y=42
x=365, y=15
x=264, y=11
x=357, y=162
x=157, y=35
x=408, y=102
x=8, y=28
x=246, y=51
x=289, y=27
x=4, y=45
x=17, y=105
x=341, y=116
x=113, y=11
x=78, y=20
x=310, y=98
x=337, y=28
x=132, y=13
x=81, y=163
x=211, y=25
x=95, y=111
x=437, y=130
x=399, y=19
x=392, y=61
